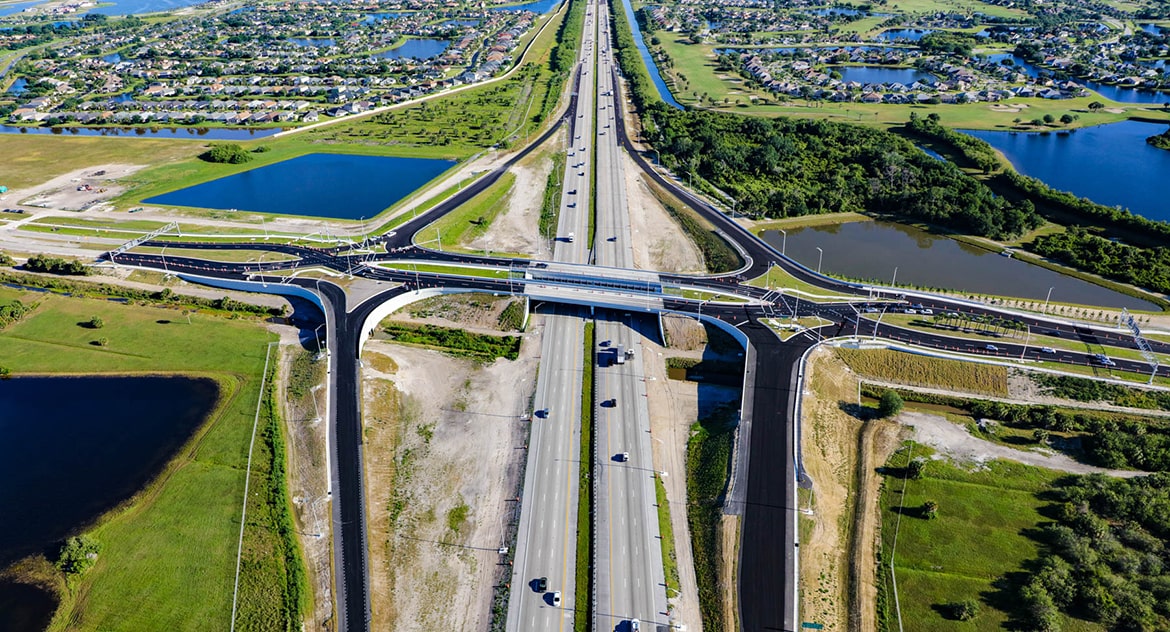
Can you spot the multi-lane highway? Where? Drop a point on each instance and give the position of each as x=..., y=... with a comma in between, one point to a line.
x=544, y=572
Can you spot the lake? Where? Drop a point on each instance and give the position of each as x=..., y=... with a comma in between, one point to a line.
x=193, y=133
x=318, y=42
x=655, y=75
x=339, y=186
x=871, y=250
x=540, y=6
x=18, y=86
x=1110, y=164
x=911, y=35
x=10, y=9
x=131, y=7
x=881, y=74
x=415, y=48
x=1111, y=92
x=72, y=449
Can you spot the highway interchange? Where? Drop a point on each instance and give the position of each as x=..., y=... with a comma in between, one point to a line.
x=628, y=579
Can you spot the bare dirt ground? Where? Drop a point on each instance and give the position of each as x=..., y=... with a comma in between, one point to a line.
x=308, y=481
x=829, y=447
x=517, y=229
x=444, y=450
x=954, y=441
x=659, y=242
x=63, y=191
x=879, y=439
x=674, y=407
x=474, y=312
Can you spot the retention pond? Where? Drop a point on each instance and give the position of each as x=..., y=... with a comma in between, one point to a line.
x=72, y=448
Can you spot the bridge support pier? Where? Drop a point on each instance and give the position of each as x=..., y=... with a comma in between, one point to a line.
x=661, y=330
x=527, y=311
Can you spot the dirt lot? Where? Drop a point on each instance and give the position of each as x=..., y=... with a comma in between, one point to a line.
x=659, y=242
x=516, y=230
x=78, y=189
x=444, y=452
x=474, y=312
x=831, y=442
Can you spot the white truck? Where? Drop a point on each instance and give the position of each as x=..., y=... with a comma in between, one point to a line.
x=620, y=356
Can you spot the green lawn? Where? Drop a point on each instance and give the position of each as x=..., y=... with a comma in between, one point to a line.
x=168, y=557
x=979, y=536
x=472, y=219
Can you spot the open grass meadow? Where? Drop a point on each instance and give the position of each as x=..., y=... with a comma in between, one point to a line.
x=169, y=555
x=980, y=535
x=31, y=159
x=906, y=368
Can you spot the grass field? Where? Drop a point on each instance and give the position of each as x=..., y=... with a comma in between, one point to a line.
x=471, y=220
x=445, y=269
x=31, y=159
x=979, y=536
x=185, y=525
x=906, y=368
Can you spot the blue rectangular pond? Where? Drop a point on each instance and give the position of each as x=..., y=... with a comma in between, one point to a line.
x=335, y=186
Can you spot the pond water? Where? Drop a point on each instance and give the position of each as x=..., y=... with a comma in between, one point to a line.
x=131, y=7
x=378, y=17
x=1109, y=164
x=912, y=35
x=112, y=58
x=881, y=74
x=835, y=11
x=932, y=153
x=72, y=449
x=318, y=42
x=655, y=75
x=1114, y=93
x=193, y=133
x=18, y=86
x=453, y=23
x=1152, y=29
x=871, y=250
x=540, y=6
x=808, y=49
x=10, y=9
x=416, y=48
x=340, y=186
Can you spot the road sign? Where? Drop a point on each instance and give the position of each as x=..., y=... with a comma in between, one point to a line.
x=812, y=626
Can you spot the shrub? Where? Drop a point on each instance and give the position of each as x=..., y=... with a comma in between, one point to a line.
x=890, y=404
x=96, y=322
x=229, y=153
x=961, y=610
x=78, y=554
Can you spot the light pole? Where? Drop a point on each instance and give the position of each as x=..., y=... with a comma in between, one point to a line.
x=1027, y=338
x=820, y=256
x=1045, y=310
x=164, y=259
x=783, y=242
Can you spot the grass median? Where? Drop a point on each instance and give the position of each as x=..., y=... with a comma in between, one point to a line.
x=583, y=599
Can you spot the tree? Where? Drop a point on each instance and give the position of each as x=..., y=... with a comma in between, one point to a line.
x=229, y=153
x=96, y=322
x=78, y=555
x=1040, y=435
x=961, y=610
x=930, y=510
x=1096, y=106
x=914, y=469
x=890, y=404
x=103, y=342
x=1066, y=118
x=1048, y=119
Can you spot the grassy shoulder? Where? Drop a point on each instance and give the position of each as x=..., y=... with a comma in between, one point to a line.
x=708, y=465
x=482, y=347
x=904, y=368
x=456, y=230
x=32, y=159
x=185, y=523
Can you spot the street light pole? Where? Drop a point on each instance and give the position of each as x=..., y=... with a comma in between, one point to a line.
x=783, y=242
x=820, y=256
x=1045, y=310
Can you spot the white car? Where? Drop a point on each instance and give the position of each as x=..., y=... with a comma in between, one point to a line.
x=556, y=599
x=1047, y=350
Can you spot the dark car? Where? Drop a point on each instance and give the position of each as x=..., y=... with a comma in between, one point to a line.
x=541, y=584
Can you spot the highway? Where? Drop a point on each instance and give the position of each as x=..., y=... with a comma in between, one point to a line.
x=546, y=541
x=628, y=576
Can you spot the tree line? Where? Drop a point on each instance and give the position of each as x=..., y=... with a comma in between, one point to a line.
x=1144, y=267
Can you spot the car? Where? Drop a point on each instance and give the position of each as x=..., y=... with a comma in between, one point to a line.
x=573, y=192
x=991, y=347
x=580, y=173
x=635, y=625
x=1047, y=350
x=917, y=306
x=624, y=457
x=870, y=310
x=542, y=584
x=927, y=311
x=556, y=598
x=582, y=149
x=911, y=311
